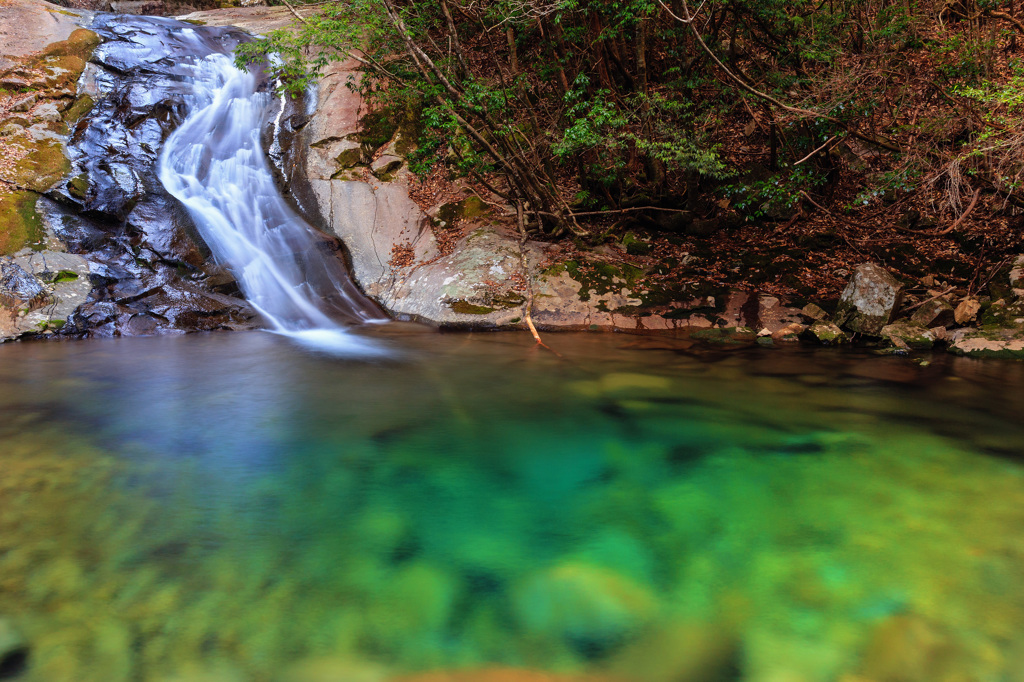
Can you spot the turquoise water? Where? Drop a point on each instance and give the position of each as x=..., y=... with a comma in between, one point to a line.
x=229, y=507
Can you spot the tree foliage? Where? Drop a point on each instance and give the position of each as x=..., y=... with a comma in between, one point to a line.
x=566, y=106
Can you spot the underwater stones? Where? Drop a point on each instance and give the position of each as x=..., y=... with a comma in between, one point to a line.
x=410, y=614
x=334, y=670
x=680, y=652
x=500, y=675
x=587, y=605
x=908, y=335
x=869, y=300
x=13, y=650
x=906, y=648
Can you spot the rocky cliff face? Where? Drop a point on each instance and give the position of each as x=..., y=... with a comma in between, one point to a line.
x=85, y=193
x=461, y=263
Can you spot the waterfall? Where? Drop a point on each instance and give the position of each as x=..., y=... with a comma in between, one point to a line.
x=214, y=164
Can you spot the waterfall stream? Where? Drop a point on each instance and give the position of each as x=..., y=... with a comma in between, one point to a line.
x=214, y=164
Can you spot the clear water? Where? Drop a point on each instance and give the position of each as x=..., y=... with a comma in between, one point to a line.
x=215, y=166
x=230, y=507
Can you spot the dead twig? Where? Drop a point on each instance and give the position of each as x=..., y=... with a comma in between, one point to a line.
x=956, y=223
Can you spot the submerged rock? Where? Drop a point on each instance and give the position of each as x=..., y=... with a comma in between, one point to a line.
x=869, y=301
x=13, y=650
x=907, y=648
x=586, y=605
x=681, y=652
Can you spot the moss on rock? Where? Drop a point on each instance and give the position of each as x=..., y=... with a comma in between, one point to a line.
x=19, y=222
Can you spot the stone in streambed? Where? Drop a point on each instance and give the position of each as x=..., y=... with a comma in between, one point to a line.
x=502, y=675
x=869, y=301
x=586, y=605
x=908, y=335
x=907, y=648
x=334, y=670
x=681, y=652
x=937, y=313
x=826, y=333
x=814, y=312
x=967, y=310
x=13, y=650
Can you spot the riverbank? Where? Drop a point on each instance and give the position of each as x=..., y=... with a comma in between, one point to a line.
x=433, y=250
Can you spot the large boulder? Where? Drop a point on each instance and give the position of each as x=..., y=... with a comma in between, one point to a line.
x=869, y=301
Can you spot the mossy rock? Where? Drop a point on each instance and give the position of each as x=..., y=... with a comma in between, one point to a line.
x=42, y=167
x=466, y=308
x=725, y=336
x=348, y=158
x=82, y=106
x=451, y=214
x=78, y=186
x=19, y=222
x=80, y=43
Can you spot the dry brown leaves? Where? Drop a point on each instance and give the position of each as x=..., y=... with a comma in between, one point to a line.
x=402, y=256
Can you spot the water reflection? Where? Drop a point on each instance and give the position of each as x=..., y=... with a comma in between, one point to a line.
x=226, y=506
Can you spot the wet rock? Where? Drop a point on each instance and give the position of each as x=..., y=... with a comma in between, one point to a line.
x=18, y=287
x=967, y=310
x=334, y=670
x=826, y=333
x=908, y=335
x=936, y=313
x=14, y=650
x=681, y=652
x=869, y=301
x=501, y=675
x=907, y=648
x=725, y=336
x=588, y=606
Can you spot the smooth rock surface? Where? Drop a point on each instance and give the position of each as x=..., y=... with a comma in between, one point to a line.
x=934, y=314
x=869, y=301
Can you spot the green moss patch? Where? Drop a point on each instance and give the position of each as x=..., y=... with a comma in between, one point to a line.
x=82, y=106
x=467, y=308
x=19, y=222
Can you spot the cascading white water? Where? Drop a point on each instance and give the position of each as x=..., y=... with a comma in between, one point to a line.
x=214, y=164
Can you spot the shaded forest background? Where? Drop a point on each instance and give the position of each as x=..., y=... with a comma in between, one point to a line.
x=844, y=130
x=763, y=143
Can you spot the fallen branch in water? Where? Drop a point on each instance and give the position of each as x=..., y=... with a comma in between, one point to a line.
x=527, y=316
